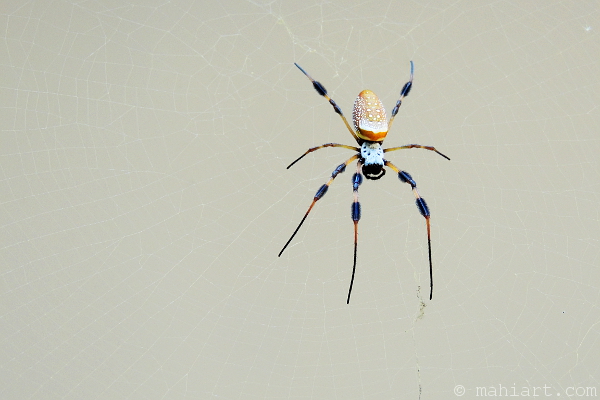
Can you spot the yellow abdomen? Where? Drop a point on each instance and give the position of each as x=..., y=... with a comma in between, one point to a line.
x=368, y=115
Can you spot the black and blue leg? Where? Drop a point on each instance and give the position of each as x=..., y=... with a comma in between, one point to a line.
x=423, y=209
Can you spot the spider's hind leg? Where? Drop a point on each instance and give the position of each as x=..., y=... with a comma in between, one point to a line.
x=323, y=92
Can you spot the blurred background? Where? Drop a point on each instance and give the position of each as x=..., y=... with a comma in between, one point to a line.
x=145, y=198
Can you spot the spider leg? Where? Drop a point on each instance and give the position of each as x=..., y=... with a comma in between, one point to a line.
x=320, y=147
x=403, y=93
x=320, y=193
x=357, y=179
x=423, y=209
x=323, y=92
x=415, y=146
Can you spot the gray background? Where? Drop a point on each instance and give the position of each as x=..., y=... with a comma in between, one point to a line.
x=144, y=200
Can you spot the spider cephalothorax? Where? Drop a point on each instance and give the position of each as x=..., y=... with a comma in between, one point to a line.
x=370, y=129
x=372, y=159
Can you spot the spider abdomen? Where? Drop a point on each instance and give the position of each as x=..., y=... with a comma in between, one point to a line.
x=368, y=115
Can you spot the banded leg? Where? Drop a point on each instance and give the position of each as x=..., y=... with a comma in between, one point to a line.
x=415, y=146
x=423, y=209
x=323, y=92
x=320, y=147
x=403, y=93
x=357, y=179
x=320, y=193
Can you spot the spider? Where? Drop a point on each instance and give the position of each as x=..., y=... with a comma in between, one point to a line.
x=370, y=129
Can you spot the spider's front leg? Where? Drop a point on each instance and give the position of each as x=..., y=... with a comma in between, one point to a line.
x=423, y=209
x=357, y=179
x=320, y=193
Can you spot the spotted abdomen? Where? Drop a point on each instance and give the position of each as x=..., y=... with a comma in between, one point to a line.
x=368, y=115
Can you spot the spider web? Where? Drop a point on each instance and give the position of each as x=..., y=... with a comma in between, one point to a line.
x=145, y=199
